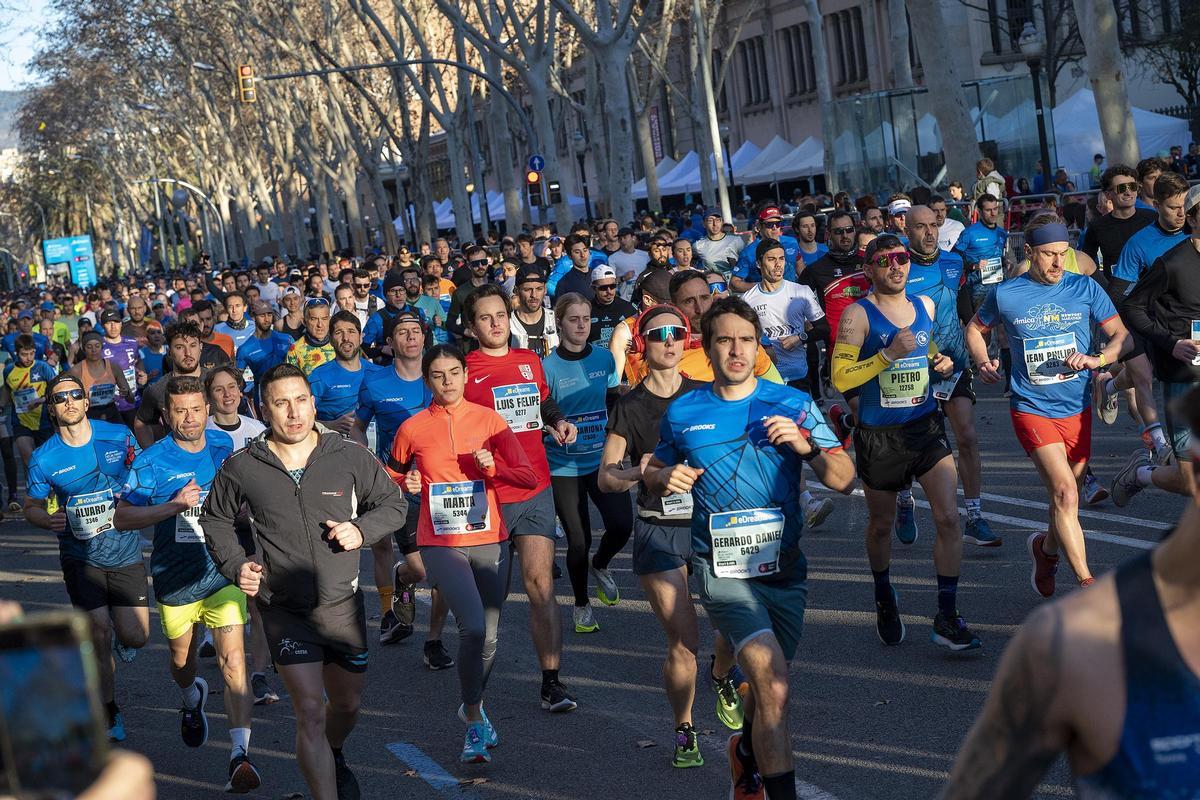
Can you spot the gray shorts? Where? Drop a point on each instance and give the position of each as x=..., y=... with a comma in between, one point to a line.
x=532, y=517
x=660, y=548
x=744, y=609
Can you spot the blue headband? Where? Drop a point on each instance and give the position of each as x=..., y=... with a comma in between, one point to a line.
x=1047, y=234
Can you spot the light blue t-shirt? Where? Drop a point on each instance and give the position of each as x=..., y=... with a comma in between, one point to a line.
x=335, y=388
x=389, y=400
x=578, y=382
x=747, y=264
x=1142, y=250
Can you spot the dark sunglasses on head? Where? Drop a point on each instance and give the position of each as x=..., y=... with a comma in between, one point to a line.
x=1122, y=188
x=664, y=332
x=883, y=260
x=718, y=287
x=67, y=394
x=316, y=301
x=842, y=231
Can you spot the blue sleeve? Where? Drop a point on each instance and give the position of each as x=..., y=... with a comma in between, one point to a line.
x=37, y=484
x=745, y=262
x=366, y=407
x=139, y=483
x=373, y=331
x=989, y=310
x=666, y=452
x=610, y=364
x=1127, y=267
x=820, y=434
x=1101, y=304
x=959, y=245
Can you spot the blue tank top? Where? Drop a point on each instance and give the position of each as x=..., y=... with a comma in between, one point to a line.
x=901, y=393
x=1157, y=756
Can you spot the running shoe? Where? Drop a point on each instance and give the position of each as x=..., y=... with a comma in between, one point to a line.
x=687, y=748
x=194, y=725
x=116, y=728
x=979, y=532
x=1041, y=577
x=126, y=654
x=1126, y=485
x=729, y=700
x=606, y=587
x=888, y=624
x=1094, y=492
x=556, y=699
x=1105, y=403
x=841, y=430
x=746, y=783
x=906, y=522
x=390, y=629
x=404, y=602
x=207, y=648
x=243, y=776
x=1164, y=456
x=1086, y=582
x=264, y=695
x=953, y=633
x=490, y=737
x=347, y=784
x=817, y=512
x=436, y=657
x=585, y=622
x=13, y=505
x=474, y=747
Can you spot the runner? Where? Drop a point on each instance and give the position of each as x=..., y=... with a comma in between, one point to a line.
x=302, y=488
x=183, y=353
x=582, y=380
x=237, y=325
x=511, y=382
x=25, y=380
x=608, y=310
x=82, y=466
x=1048, y=314
x=449, y=455
x=836, y=279
x=313, y=348
x=532, y=328
x=103, y=379
x=122, y=352
x=335, y=384
x=738, y=446
x=885, y=346
x=770, y=227
x=716, y=249
x=1105, y=677
x=1104, y=238
x=982, y=247
x=154, y=352
x=265, y=348
x=804, y=226
x=790, y=315
x=165, y=486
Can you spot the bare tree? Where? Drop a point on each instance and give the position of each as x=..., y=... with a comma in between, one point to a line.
x=1106, y=74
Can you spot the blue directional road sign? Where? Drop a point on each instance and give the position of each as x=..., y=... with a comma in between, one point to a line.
x=537, y=163
x=76, y=253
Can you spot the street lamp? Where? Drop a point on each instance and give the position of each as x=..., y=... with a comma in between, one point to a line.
x=581, y=147
x=1033, y=47
x=723, y=131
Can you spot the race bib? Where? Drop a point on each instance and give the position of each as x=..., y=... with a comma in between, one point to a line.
x=1045, y=357
x=1196, y=337
x=905, y=383
x=458, y=508
x=23, y=399
x=520, y=404
x=943, y=387
x=677, y=505
x=745, y=544
x=102, y=394
x=248, y=376
x=991, y=270
x=130, y=377
x=91, y=514
x=187, y=524
x=589, y=438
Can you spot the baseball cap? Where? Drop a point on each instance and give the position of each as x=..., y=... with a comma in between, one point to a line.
x=1192, y=199
x=713, y=212
x=625, y=232
x=25, y=313
x=768, y=213
x=261, y=307
x=899, y=206
x=554, y=237
x=290, y=290
x=603, y=273
x=47, y=306
x=529, y=273
x=110, y=316
x=150, y=287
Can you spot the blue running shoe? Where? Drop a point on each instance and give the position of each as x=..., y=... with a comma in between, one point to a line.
x=474, y=747
x=906, y=522
x=979, y=532
x=953, y=633
x=490, y=737
x=116, y=731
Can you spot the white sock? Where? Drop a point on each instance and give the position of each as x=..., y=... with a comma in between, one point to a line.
x=1143, y=476
x=1157, y=437
x=973, y=507
x=904, y=497
x=240, y=737
x=191, y=695
x=806, y=496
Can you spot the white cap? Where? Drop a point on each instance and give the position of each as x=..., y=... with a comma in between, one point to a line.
x=1189, y=202
x=603, y=273
x=899, y=206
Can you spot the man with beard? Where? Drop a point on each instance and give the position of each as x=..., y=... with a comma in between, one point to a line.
x=264, y=349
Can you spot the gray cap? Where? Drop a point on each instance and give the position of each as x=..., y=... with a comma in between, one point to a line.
x=1192, y=199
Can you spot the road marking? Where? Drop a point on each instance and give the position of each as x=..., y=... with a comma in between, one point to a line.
x=427, y=769
x=806, y=791
x=1083, y=512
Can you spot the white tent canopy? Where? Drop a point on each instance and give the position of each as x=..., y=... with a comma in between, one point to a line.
x=761, y=167
x=445, y=219
x=661, y=169
x=1077, y=132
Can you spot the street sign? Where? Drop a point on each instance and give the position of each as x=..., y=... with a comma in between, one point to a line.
x=536, y=163
x=72, y=255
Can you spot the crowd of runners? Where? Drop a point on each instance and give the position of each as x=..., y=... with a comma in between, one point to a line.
x=457, y=411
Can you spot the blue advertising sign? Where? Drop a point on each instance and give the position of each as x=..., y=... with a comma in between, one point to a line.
x=75, y=252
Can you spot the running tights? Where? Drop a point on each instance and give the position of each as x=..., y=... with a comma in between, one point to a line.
x=10, y=466
x=571, y=495
x=471, y=581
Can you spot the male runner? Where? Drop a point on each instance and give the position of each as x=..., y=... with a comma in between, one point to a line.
x=335, y=384
x=770, y=227
x=1105, y=236
x=237, y=325
x=1048, y=314
x=124, y=354
x=608, y=310
x=532, y=327
x=265, y=348
x=717, y=249
x=982, y=247
x=25, y=380
x=183, y=352
x=738, y=446
x=804, y=225
x=315, y=499
x=836, y=279
x=789, y=313
x=313, y=348
x=885, y=347
x=83, y=465
x=165, y=486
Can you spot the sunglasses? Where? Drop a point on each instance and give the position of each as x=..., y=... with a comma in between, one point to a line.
x=883, y=260
x=478, y=263
x=362, y=286
x=664, y=332
x=316, y=301
x=608, y=287
x=718, y=287
x=69, y=394
x=772, y=225
x=1122, y=188
x=842, y=231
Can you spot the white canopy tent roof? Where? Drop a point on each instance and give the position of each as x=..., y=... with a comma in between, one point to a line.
x=445, y=219
x=1077, y=132
x=662, y=169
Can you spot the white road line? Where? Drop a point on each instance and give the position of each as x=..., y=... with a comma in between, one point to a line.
x=806, y=791
x=1083, y=512
x=427, y=769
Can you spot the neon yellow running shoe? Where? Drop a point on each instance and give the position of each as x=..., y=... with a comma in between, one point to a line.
x=687, y=748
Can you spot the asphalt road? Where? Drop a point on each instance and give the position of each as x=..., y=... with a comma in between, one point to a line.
x=867, y=721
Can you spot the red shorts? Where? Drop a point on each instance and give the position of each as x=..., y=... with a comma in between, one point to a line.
x=1074, y=433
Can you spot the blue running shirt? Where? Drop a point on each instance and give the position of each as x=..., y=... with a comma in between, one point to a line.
x=390, y=400
x=939, y=282
x=747, y=264
x=257, y=356
x=1142, y=249
x=984, y=246
x=335, y=388
x=902, y=392
x=182, y=569
x=578, y=382
x=1044, y=325
x=85, y=482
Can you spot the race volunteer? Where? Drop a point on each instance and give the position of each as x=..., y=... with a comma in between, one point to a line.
x=314, y=348
x=81, y=469
x=1048, y=315
x=449, y=454
x=662, y=536
x=738, y=446
x=770, y=228
x=315, y=499
x=165, y=486
x=511, y=382
x=885, y=348
x=581, y=379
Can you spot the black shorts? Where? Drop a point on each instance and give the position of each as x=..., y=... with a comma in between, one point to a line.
x=91, y=587
x=965, y=386
x=40, y=437
x=406, y=537
x=333, y=634
x=890, y=457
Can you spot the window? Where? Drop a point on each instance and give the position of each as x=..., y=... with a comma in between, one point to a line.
x=850, y=46
x=752, y=58
x=1006, y=20
x=722, y=102
x=796, y=47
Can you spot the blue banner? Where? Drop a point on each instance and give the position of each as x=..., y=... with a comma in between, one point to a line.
x=76, y=253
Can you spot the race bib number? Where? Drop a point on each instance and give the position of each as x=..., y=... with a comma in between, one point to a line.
x=23, y=399
x=1196, y=337
x=91, y=514
x=130, y=377
x=187, y=524
x=943, y=387
x=589, y=438
x=1045, y=358
x=458, y=508
x=677, y=505
x=991, y=270
x=248, y=376
x=745, y=544
x=905, y=383
x=520, y=405
x=102, y=394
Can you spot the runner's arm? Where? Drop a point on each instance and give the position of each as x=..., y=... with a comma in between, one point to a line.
x=1118, y=340
x=517, y=469
x=1136, y=308
x=358, y=431
x=848, y=371
x=129, y=517
x=218, y=521
x=381, y=508
x=614, y=479
x=37, y=514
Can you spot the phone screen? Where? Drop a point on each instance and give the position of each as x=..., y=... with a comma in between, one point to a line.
x=49, y=713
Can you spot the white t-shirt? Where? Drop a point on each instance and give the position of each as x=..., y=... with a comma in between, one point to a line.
x=784, y=312
x=246, y=430
x=719, y=254
x=948, y=234
x=625, y=263
x=269, y=291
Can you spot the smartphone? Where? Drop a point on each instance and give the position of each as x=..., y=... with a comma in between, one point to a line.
x=53, y=740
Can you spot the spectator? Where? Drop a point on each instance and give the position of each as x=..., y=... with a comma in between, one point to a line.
x=1094, y=172
x=988, y=180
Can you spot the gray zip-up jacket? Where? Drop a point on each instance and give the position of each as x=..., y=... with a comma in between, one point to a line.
x=301, y=568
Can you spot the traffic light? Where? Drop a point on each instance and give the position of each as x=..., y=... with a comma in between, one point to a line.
x=246, y=83
x=555, y=193
x=533, y=186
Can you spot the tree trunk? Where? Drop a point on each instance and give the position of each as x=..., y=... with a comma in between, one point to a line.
x=816, y=30
x=646, y=145
x=898, y=34
x=324, y=229
x=620, y=157
x=1098, y=30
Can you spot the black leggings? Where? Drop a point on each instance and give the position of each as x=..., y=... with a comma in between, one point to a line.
x=571, y=495
x=10, y=465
